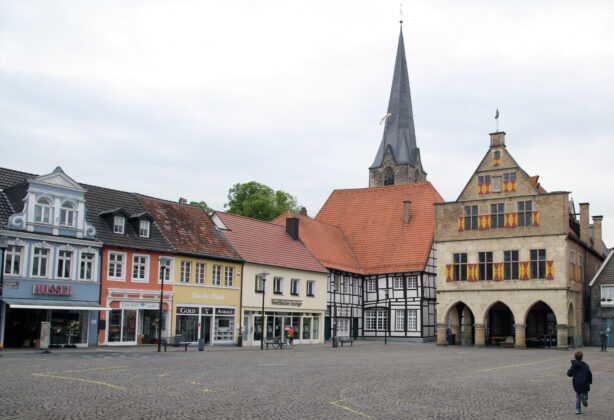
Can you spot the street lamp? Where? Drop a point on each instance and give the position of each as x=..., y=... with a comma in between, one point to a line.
x=263, y=278
x=163, y=272
x=3, y=246
x=388, y=318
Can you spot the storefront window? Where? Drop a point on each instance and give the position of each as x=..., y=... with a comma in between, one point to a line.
x=306, y=328
x=316, y=327
x=224, y=328
x=257, y=328
x=68, y=328
x=129, y=326
x=187, y=327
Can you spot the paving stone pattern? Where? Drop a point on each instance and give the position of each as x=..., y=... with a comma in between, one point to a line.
x=367, y=381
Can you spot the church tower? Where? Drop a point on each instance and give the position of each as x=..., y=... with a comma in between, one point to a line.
x=398, y=158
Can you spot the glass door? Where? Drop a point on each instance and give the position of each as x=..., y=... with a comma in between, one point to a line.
x=306, y=329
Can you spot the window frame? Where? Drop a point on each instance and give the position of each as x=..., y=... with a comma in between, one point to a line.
x=459, y=266
x=497, y=215
x=295, y=287
x=116, y=263
x=144, y=228
x=399, y=320
x=471, y=217
x=538, y=263
x=371, y=285
x=68, y=212
x=216, y=277
x=412, y=282
x=167, y=274
x=525, y=216
x=43, y=209
x=229, y=276
x=278, y=285
x=259, y=284
x=119, y=225
x=64, y=257
x=510, y=264
x=35, y=257
x=397, y=283
x=84, y=262
x=485, y=265
x=412, y=320
x=310, y=288
x=200, y=273
x=143, y=265
x=185, y=272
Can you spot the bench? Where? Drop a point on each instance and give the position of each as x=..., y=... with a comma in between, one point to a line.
x=346, y=339
x=509, y=342
x=274, y=341
x=176, y=341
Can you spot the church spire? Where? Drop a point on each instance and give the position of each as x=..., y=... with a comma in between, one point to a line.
x=399, y=133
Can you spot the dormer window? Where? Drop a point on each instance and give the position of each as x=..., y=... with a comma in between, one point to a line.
x=118, y=224
x=144, y=228
x=42, y=211
x=67, y=214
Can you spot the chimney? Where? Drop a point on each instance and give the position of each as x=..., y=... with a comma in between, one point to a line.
x=584, y=228
x=597, y=234
x=497, y=139
x=183, y=200
x=303, y=211
x=406, y=211
x=292, y=227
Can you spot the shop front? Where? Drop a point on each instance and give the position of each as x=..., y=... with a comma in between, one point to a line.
x=306, y=325
x=214, y=324
x=71, y=309
x=136, y=321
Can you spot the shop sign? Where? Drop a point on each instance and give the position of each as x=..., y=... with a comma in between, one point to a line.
x=286, y=302
x=139, y=305
x=206, y=311
x=223, y=311
x=10, y=284
x=607, y=314
x=185, y=310
x=51, y=289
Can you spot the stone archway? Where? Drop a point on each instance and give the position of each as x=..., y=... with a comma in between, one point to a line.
x=499, y=325
x=542, y=329
x=459, y=321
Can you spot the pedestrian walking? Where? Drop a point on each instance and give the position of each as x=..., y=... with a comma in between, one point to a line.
x=603, y=334
x=582, y=378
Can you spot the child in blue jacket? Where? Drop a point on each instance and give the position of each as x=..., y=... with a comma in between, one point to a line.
x=582, y=378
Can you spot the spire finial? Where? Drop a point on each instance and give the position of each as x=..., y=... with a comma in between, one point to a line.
x=401, y=14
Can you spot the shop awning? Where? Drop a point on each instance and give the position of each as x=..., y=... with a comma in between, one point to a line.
x=75, y=305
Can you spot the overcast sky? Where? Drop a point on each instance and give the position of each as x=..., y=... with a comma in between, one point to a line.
x=185, y=98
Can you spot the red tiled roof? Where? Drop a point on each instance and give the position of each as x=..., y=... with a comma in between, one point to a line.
x=188, y=228
x=326, y=242
x=267, y=243
x=372, y=221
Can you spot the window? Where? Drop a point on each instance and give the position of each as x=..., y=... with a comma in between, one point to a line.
x=354, y=286
x=496, y=184
x=217, y=275
x=229, y=273
x=140, y=268
x=538, y=263
x=259, y=284
x=412, y=320
x=345, y=284
x=67, y=214
x=144, y=228
x=371, y=285
x=471, y=217
x=370, y=320
x=343, y=327
x=510, y=265
x=572, y=266
x=12, y=259
x=64, y=264
x=40, y=260
x=388, y=176
x=497, y=215
x=525, y=213
x=86, y=266
x=509, y=176
x=278, y=285
x=412, y=282
x=311, y=288
x=200, y=273
x=186, y=267
x=485, y=265
x=164, y=273
x=484, y=179
x=397, y=282
x=382, y=320
x=294, y=287
x=42, y=211
x=607, y=292
x=118, y=224
x=116, y=266
x=496, y=154
x=399, y=324
x=460, y=267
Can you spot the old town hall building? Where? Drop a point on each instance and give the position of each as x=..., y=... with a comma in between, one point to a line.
x=513, y=260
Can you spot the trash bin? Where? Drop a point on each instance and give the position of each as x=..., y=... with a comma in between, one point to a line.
x=201, y=344
x=240, y=340
x=335, y=342
x=451, y=339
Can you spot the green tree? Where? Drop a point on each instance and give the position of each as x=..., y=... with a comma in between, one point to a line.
x=204, y=206
x=258, y=201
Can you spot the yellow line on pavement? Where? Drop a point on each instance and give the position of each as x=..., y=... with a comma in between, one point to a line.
x=87, y=370
x=79, y=379
x=348, y=408
x=520, y=364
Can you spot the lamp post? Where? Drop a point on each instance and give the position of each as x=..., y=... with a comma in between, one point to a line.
x=163, y=272
x=262, y=332
x=3, y=247
x=388, y=318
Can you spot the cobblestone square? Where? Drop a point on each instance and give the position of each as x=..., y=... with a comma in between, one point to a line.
x=370, y=380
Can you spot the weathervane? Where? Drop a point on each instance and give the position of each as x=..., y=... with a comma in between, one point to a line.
x=497, y=119
x=401, y=13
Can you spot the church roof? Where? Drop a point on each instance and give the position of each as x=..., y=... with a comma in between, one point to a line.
x=399, y=132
